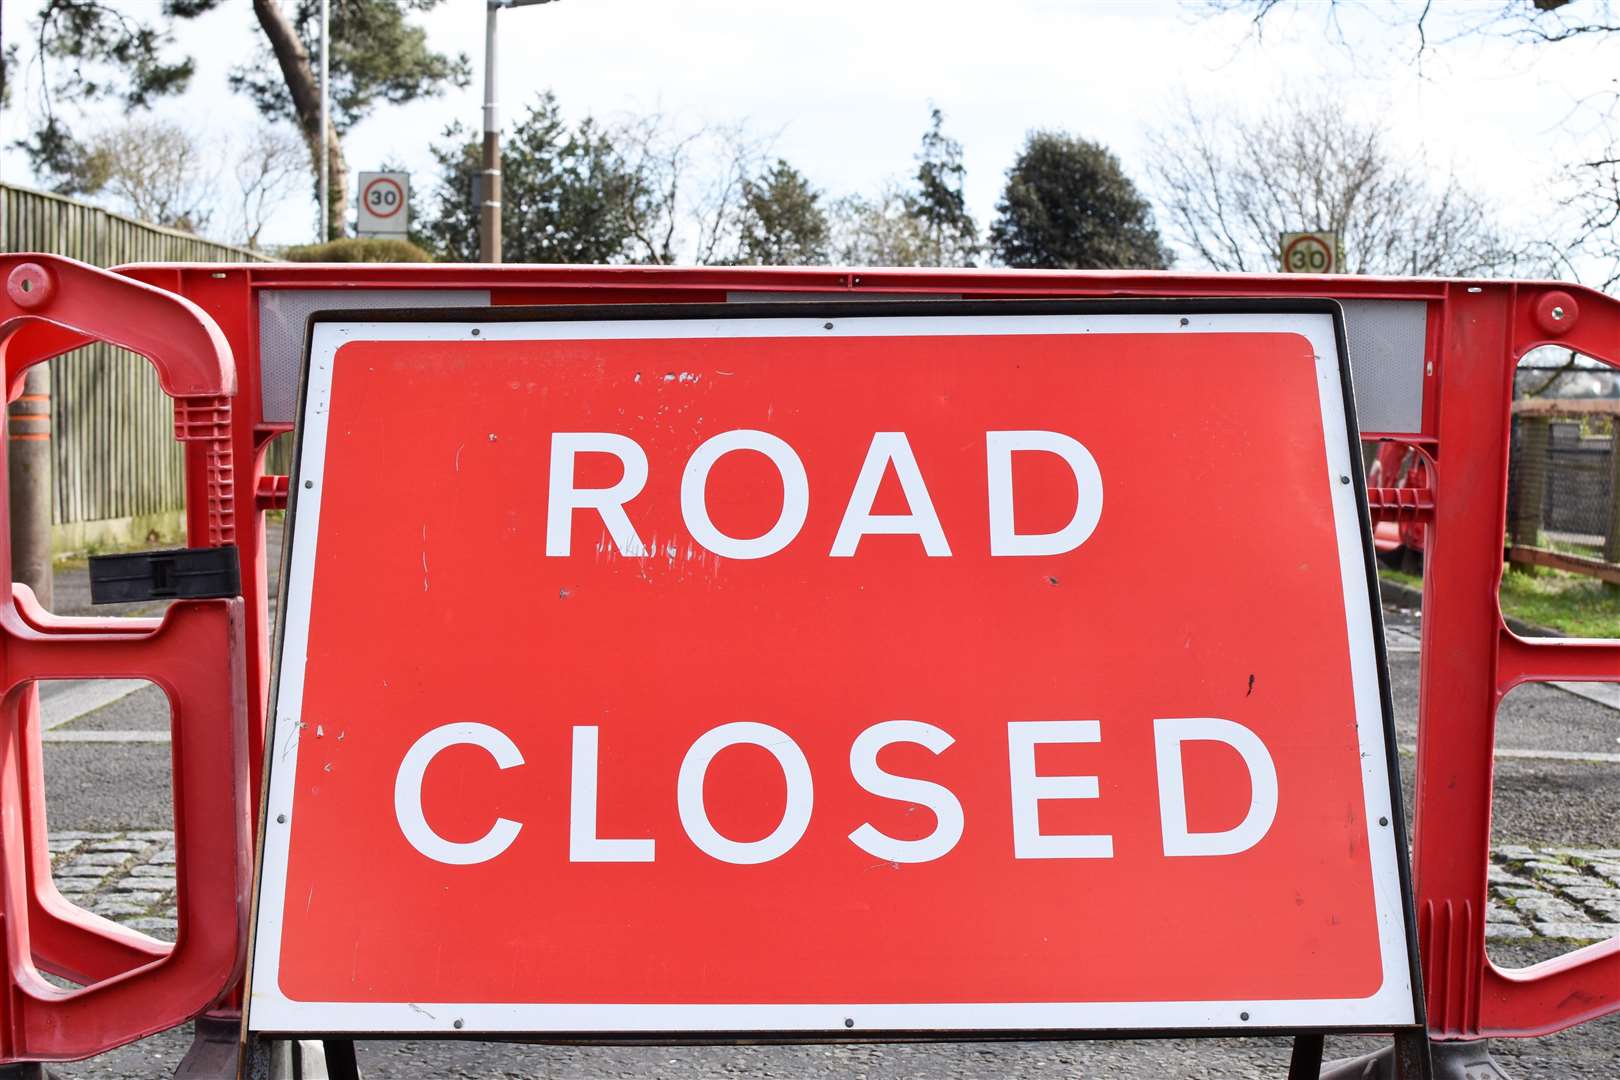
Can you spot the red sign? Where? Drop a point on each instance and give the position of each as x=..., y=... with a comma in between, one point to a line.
x=848, y=673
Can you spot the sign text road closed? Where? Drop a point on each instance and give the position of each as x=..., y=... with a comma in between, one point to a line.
x=844, y=673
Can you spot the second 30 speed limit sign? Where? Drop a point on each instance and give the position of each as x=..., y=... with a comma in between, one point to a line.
x=385, y=199
x=1310, y=253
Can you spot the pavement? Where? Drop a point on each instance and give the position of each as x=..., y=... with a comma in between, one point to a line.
x=1555, y=885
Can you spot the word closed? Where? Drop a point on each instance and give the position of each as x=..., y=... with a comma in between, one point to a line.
x=1027, y=787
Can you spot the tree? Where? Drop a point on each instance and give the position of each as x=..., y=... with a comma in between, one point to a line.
x=949, y=235
x=687, y=197
x=450, y=225
x=1068, y=205
x=8, y=64
x=563, y=192
x=1527, y=21
x=378, y=56
x=877, y=231
x=155, y=170
x=89, y=51
x=1586, y=218
x=921, y=223
x=266, y=167
x=1229, y=185
x=783, y=223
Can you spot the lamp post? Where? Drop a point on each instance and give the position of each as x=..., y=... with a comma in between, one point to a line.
x=325, y=192
x=489, y=210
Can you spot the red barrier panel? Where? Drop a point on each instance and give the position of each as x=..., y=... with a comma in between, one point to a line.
x=1468, y=341
x=133, y=984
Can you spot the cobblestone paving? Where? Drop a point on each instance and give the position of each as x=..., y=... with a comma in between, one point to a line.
x=127, y=876
x=1571, y=893
x=1567, y=893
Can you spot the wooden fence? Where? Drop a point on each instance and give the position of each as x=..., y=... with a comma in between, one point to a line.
x=1564, y=486
x=119, y=474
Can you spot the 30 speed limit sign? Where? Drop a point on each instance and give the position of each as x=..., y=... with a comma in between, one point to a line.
x=384, y=204
x=1310, y=253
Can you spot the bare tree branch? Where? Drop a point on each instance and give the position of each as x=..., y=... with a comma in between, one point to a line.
x=154, y=170
x=268, y=168
x=688, y=196
x=1229, y=185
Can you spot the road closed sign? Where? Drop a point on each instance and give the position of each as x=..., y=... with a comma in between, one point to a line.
x=830, y=670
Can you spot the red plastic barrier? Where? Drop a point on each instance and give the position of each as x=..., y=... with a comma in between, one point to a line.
x=1476, y=333
x=1399, y=497
x=133, y=985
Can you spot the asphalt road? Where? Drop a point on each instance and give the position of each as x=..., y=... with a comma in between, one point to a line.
x=99, y=786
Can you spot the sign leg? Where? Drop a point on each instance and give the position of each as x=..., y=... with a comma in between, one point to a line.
x=284, y=1059
x=341, y=1063
x=1306, y=1064
x=1412, y=1059
x=214, y=1040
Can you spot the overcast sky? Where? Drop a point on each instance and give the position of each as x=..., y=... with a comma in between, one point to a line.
x=846, y=84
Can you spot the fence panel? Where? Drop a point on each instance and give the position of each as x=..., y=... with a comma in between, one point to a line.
x=118, y=470
x=1563, y=483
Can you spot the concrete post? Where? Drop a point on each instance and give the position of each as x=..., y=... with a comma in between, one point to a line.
x=29, y=429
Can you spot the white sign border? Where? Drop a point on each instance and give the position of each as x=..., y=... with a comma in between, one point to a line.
x=1392, y=1005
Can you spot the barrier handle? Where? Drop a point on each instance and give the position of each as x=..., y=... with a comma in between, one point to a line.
x=191, y=355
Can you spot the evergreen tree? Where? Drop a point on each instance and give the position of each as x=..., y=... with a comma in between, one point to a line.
x=783, y=222
x=564, y=192
x=1068, y=205
x=949, y=235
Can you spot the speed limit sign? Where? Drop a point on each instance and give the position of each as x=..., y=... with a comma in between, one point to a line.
x=385, y=199
x=1310, y=253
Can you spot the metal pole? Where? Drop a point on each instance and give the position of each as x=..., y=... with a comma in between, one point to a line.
x=489, y=212
x=326, y=120
x=29, y=471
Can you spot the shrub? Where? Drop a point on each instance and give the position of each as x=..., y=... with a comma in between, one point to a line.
x=355, y=250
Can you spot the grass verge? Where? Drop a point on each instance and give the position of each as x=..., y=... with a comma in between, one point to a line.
x=1577, y=605
x=1569, y=603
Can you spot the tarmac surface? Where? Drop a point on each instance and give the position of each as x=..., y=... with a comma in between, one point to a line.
x=1558, y=785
